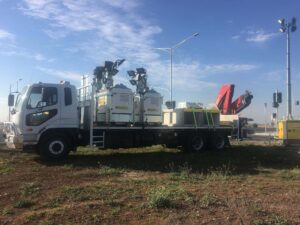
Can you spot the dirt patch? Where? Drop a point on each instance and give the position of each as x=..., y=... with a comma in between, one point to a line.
x=244, y=185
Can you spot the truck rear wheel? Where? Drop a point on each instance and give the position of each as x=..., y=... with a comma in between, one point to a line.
x=196, y=143
x=54, y=148
x=218, y=142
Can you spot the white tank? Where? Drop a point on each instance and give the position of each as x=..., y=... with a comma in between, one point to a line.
x=152, y=107
x=115, y=105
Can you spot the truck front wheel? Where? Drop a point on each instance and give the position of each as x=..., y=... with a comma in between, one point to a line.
x=54, y=148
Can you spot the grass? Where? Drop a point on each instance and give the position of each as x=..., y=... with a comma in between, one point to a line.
x=34, y=217
x=106, y=193
x=7, y=211
x=208, y=200
x=290, y=174
x=154, y=186
x=115, y=206
x=271, y=220
x=29, y=189
x=109, y=171
x=161, y=197
x=168, y=197
x=84, y=193
x=6, y=166
x=24, y=203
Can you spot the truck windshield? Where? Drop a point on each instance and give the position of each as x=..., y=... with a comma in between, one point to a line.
x=20, y=99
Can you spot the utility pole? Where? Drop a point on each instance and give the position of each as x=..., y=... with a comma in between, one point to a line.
x=265, y=117
x=9, y=106
x=288, y=27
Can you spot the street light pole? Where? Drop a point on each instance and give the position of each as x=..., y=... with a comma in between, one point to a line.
x=18, y=84
x=265, y=117
x=288, y=27
x=9, y=106
x=171, y=80
x=288, y=74
x=170, y=51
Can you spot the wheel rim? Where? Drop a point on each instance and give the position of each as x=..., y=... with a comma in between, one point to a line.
x=219, y=142
x=197, y=144
x=56, y=147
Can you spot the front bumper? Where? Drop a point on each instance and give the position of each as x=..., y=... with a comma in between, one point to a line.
x=13, y=136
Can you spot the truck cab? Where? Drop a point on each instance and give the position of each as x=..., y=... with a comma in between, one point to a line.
x=44, y=115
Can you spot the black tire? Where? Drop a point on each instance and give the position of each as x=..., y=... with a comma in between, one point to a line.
x=196, y=143
x=218, y=142
x=54, y=148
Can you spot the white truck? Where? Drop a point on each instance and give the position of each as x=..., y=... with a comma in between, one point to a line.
x=55, y=119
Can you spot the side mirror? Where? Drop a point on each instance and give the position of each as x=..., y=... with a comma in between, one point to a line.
x=13, y=111
x=11, y=100
x=41, y=104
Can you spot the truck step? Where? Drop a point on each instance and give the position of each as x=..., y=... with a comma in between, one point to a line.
x=99, y=139
x=95, y=142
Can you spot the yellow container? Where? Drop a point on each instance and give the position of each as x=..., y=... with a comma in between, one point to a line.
x=289, y=131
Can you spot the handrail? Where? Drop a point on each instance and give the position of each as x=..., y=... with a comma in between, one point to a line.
x=207, y=118
x=195, y=120
x=212, y=119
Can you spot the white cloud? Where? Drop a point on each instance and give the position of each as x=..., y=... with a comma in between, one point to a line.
x=227, y=68
x=68, y=75
x=39, y=57
x=9, y=47
x=114, y=35
x=190, y=76
x=235, y=37
x=260, y=36
x=122, y=4
x=275, y=76
x=111, y=34
x=23, y=53
x=255, y=35
x=57, y=34
x=5, y=35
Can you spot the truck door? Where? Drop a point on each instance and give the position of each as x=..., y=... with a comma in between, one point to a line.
x=42, y=110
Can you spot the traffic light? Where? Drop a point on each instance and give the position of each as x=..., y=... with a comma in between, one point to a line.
x=275, y=104
x=277, y=98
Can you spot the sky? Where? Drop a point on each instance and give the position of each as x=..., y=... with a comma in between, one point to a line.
x=238, y=43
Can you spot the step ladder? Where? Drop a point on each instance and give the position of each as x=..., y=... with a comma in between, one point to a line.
x=98, y=139
x=209, y=119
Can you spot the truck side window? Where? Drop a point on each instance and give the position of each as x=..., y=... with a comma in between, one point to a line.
x=68, y=96
x=38, y=95
x=36, y=119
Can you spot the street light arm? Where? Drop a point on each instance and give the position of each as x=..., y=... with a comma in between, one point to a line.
x=170, y=50
x=185, y=40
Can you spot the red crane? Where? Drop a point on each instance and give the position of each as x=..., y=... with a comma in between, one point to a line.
x=224, y=100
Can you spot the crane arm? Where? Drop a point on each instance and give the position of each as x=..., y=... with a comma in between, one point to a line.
x=224, y=100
